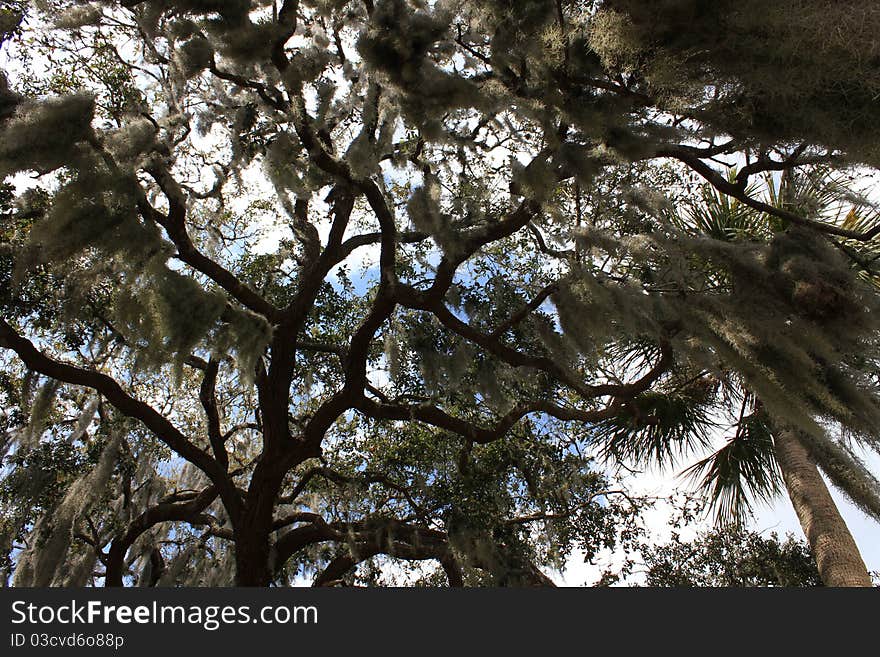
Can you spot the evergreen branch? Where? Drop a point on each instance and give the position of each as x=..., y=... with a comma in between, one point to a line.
x=524, y=312
x=412, y=298
x=339, y=566
x=339, y=478
x=366, y=239
x=275, y=100
x=287, y=19
x=542, y=244
x=384, y=535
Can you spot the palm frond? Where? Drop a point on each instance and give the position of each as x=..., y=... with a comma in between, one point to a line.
x=812, y=192
x=655, y=428
x=865, y=254
x=740, y=473
x=720, y=216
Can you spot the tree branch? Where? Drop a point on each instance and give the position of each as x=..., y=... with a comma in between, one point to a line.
x=735, y=190
x=158, y=424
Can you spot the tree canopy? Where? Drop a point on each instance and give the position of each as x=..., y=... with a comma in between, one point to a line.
x=289, y=287
x=731, y=558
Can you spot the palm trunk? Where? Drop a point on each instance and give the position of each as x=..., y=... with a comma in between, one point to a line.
x=837, y=555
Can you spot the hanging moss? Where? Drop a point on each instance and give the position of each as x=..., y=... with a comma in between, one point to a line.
x=52, y=535
x=246, y=336
x=79, y=16
x=827, y=94
x=169, y=317
x=41, y=408
x=42, y=135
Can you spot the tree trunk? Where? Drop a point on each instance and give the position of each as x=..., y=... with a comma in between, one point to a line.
x=115, y=564
x=253, y=549
x=252, y=563
x=837, y=555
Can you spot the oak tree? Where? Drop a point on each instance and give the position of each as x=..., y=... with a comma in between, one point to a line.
x=286, y=287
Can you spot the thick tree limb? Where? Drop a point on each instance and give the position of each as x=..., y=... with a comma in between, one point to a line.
x=175, y=227
x=208, y=398
x=436, y=417
x=162, y=512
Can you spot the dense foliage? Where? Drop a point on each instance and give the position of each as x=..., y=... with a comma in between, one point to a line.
x=731, y=558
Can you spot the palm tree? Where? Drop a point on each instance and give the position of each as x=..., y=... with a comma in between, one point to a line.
x=763, y=455
x=837, y=555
